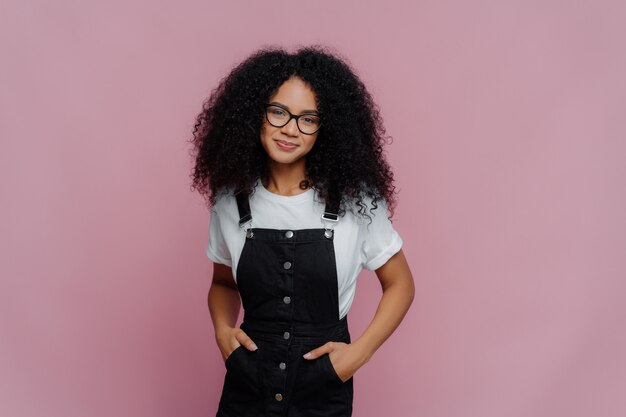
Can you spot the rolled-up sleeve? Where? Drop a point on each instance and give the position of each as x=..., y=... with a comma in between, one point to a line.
x=380, y=241
x=217, y=250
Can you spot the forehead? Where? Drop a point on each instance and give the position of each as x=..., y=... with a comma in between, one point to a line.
x=295, y=95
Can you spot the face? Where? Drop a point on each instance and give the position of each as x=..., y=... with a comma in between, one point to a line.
x=287, y=145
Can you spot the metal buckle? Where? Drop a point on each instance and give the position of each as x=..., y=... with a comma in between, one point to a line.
x=246, y=219
x=330, y=219
x=328, y=232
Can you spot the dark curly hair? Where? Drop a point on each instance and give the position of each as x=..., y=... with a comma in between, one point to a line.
x=347, y=160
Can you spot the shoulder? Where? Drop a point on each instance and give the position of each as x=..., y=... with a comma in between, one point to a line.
x=225, y=207
x=378, y=239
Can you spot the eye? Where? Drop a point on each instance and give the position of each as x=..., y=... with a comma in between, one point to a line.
x=311, y=119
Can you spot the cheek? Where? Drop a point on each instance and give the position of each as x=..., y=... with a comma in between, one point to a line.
x=267, y=131
x=309, y=145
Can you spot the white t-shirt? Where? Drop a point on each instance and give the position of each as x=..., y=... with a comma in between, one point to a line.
x=357, y=243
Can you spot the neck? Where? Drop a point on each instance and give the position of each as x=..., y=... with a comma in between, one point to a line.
x=284, y=179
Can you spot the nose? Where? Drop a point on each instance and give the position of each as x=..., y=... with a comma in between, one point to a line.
x=291, y=128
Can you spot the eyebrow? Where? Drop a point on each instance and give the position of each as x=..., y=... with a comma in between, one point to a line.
x=276, y=103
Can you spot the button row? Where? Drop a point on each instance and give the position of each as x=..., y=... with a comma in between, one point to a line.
x=289, y=234
x=286, y=300
x=328, y=233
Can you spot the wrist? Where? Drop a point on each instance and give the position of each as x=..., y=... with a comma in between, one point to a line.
x=363, y=351
x=222, y=332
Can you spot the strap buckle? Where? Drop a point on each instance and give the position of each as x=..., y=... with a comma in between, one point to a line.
x=245, y=219
x=334, y=218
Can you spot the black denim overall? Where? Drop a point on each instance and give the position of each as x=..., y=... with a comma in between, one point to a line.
x=287, y=280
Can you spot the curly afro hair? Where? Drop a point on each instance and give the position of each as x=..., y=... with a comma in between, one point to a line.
x=347, y=161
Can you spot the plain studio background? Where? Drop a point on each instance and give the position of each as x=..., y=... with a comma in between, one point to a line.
x=508, y=128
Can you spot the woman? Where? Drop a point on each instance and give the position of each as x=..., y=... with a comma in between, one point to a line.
x=289, y=149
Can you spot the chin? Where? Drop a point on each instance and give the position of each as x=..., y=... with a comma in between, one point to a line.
x=284, y=159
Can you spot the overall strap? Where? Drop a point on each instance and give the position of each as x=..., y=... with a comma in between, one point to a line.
x=243, y=205
x=331, y=211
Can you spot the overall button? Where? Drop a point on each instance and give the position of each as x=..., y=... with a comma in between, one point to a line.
x=328, y=233
x=287, y=299
x=286, y=335
x=249, y=234
x=282, y=365
x=279, y=397
x=289, y=234
x=287, y=265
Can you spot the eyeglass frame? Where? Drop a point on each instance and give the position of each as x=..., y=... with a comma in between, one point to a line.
x=293, y=116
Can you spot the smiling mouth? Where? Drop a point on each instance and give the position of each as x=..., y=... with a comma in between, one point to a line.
x=285, y=143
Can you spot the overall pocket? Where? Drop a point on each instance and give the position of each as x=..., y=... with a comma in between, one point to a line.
x=328, y=365
x=318, y=389
x=232, y=354
x=241, y=393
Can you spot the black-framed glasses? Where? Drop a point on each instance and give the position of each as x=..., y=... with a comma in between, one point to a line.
x=308, y=123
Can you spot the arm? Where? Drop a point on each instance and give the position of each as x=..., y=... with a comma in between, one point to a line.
x=398, y=293
x=224, y=305
x=398, y=288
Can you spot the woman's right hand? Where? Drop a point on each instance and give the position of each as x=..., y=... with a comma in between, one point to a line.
x=231, y=338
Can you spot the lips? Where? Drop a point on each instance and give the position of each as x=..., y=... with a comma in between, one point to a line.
x=287, y=144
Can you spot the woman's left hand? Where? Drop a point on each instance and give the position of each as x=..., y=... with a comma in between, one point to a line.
x=344, y=357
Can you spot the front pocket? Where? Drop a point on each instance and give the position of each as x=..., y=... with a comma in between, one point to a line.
x=318, y=390
x=233, y=353
x=241, y=393
x=331, y=369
